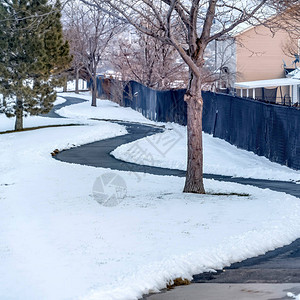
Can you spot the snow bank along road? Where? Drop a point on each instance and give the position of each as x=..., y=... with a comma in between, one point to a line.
x=280, y=265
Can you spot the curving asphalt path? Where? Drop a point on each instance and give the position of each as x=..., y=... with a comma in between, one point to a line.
x=279, y=266
x=70, y=101
x=97, y=154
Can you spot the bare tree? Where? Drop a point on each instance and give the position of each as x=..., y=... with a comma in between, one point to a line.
x=89, y=32
x=287, y=17
x=189, y=26
x=71, y=34
x=291, y=24
x=149, y=61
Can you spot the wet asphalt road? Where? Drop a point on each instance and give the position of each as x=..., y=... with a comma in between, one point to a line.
x=279, y=266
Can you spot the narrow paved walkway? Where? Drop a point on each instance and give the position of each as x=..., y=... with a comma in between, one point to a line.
x=70, y=101
x=279, y=266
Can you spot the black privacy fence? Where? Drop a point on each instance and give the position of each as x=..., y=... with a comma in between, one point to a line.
x=268, y=130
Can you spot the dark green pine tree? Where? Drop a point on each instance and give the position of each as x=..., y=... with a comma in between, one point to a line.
x=32, y=54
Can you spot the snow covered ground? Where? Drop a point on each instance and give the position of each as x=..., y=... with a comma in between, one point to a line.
x=59, y=240
x=7, y=124
x=59, y=100
x=105, y=109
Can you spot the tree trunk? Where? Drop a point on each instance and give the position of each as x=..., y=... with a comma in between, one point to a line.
x=19, y=115
x=77, y=81
x=94, y=91
x=65, y=87
x=194, y=173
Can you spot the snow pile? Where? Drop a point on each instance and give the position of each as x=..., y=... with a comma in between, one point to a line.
x=59, y=100
x=169, y=150
x=291, y=295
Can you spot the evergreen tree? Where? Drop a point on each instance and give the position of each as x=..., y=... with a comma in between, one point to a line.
x=32, y=53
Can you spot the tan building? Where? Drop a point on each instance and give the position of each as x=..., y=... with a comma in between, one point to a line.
x=260, y=54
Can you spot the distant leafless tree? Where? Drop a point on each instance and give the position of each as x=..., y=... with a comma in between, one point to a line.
x=189, y=26
x=150, y=62
x=89, y=32
x=71, y=34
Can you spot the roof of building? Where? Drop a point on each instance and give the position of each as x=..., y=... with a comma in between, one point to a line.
x=267, y=83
